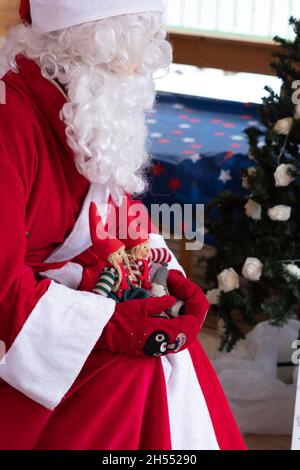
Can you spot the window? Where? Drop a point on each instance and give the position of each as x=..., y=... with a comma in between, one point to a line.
x=248, y=19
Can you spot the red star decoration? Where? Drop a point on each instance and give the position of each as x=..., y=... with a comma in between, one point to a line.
x=229, y=155
x=157, y=169
x=177, y=132
x=235, y=146
x=197, y=146
x=219, y=134
x=174, y=184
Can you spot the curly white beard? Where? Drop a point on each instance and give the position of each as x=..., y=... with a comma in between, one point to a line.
x=105, y=126
x=105, y=111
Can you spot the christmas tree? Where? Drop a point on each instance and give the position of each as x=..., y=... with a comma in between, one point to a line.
x=257, y=264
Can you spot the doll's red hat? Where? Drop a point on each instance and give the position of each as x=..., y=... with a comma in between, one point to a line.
x=25, y=11
x=136, y=232
x=133, y=241
x=104, y=243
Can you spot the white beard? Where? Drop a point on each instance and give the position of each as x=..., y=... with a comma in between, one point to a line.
x=105, y=126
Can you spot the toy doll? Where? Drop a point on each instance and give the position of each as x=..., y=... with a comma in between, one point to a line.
x=141, y=259
x=116, y=279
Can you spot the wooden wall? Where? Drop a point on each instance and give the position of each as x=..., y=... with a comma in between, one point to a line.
x=9, y=15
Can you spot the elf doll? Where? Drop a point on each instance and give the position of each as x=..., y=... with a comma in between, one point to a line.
x=142, y=257
x=116, y=279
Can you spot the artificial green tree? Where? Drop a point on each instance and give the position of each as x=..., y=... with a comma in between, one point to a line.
x=256, y=268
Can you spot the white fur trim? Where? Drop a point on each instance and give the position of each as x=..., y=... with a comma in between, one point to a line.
x=79, y=239
x=69, y=275
x=54, y=343
x=296, y=432
x=158, y=241
x=60, y=14
x=190, y=423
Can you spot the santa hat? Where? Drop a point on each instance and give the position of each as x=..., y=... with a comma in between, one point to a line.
x=104, y=243
x=52, y=15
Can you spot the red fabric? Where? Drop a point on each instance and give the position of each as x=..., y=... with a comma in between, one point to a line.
x=145, y=277
x=110, y=407
x=196, y=304
x=134, y=322
x=92, y=269
x=34, y=191
x=25, y=11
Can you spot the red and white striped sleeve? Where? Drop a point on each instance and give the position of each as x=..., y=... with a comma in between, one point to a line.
x=160, y=255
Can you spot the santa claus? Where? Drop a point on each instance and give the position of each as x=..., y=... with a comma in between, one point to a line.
x=81, y=372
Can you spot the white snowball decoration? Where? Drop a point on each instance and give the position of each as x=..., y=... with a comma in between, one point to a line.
x=252, y=269
x=283, y=126
x=253, y=210
x=292, y=270
x=213, y=296
x=283, y=176
x=280, y=213
x=228, y=280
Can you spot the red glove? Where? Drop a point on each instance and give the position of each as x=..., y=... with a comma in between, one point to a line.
x=195, y=301
x=137, y=329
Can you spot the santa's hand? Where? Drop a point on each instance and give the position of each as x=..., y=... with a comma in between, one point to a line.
x=136, y=329
x=195, y=301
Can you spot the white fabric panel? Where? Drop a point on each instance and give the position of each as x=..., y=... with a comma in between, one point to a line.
x=54, y=343
x=190, y=423
x=59, y=14
x=69, y=275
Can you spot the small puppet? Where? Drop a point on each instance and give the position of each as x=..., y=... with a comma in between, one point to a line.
x=115, y=279
x=142, y=257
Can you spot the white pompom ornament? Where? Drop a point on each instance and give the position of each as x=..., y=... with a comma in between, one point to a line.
x=228, y=280
x=253, y=210
x=280, y=213
x=283, y=126
x=213, y=296
x=292, y=270
x=252, y=269
x=283, y=175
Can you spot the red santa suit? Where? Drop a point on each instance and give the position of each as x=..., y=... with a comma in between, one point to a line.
x=56, y=390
